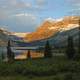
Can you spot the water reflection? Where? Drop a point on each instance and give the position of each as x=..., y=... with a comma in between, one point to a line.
x=23, y=55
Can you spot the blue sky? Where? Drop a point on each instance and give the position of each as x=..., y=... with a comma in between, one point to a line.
x=26, y=15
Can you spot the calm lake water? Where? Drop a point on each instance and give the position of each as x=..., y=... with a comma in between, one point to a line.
x=21, y=54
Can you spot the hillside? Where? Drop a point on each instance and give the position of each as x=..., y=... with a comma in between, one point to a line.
x=3, y=37
x=49, y=28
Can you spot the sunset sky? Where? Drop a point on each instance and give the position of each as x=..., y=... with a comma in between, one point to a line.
x=26, y=15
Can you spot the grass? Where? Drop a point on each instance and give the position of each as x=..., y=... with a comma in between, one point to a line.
x=56, y=68
x=28, y=78
x=54, y=77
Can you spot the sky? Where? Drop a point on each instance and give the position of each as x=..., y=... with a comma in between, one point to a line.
x=27, y=15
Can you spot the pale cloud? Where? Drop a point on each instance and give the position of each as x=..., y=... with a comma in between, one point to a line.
x=75, y=4
x=4, y=14
x=27, y=15
x=25, y=20
x=15, y=4
x=22, y=5
x=15, y=13
x=74, y=1
x=10, y=7
x=40, y=4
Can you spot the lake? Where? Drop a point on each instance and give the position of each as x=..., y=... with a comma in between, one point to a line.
x=21, y=52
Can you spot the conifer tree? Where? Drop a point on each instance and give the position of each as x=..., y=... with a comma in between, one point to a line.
x=47, y=50
x=28, y=55
x=78, y=54
x=2, y=56
x=10, y=54
x=79, y=39
x=70, y=51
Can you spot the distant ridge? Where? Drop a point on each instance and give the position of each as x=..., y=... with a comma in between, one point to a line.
x=51, y=26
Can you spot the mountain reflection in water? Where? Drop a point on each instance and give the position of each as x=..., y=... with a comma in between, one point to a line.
x=23, y=55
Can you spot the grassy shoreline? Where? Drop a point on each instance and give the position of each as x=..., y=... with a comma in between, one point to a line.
x=56, y=68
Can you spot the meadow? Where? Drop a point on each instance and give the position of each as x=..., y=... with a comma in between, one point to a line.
x=55, y=68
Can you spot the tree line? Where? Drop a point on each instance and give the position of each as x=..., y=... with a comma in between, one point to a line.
x=70, y=51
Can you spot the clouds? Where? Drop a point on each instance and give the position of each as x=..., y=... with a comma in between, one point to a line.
x=29, y=16
x=25, y=15
x=21, y=5
x=12, y=14
x=75, y=4
x=14, y=4
x=11, y=7
x=40, y=3
x=25, y=19
x=3, y=15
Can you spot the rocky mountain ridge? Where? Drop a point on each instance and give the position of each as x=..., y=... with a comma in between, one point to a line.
x=50, y=27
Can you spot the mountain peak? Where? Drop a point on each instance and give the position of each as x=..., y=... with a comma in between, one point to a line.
x=20, y=34
x=49, y=20
x=53, y=20
x=51, y=26
x=5, y=31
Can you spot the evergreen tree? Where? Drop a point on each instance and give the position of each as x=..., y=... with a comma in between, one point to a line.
x=70, y=51
x=79, y=39
x=28, y=55
x=2, y=56
x=78, y=54
x=47, y=50
x=10, y=54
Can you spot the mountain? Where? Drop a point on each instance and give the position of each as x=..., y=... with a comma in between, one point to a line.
x=50, y=27
x=56, y=31
x=5, y=35
x=20, y=34
x=57, y=40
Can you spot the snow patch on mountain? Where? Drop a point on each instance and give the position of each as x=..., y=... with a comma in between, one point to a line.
x=53, y=20
x=51, y=28
x=50, y=19
x=5, y=31
x=60, y=19
x=69, y=27
x=20, y=34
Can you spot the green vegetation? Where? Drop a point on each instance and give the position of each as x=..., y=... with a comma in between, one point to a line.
x=56, y=68
x=2, y=56
x=79, y=39
x=28, y=55
x=47, y=50
x=48, y=68
x=70, y=52
x=10, y=54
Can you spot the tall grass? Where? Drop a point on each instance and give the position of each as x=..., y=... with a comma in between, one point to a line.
x=40, y=67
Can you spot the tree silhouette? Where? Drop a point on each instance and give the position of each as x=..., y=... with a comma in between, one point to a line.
x=79, y=39
x=70, y=51
x=47, y=50
x=10, y=54
x=78, y=54
x=28, y=55
x=2, y=56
